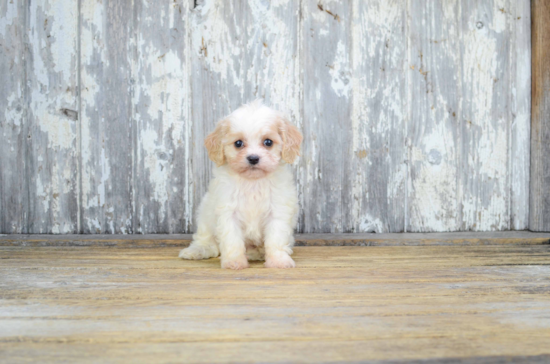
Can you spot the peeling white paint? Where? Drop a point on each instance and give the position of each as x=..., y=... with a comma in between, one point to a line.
x=61, y=130
x=339, y=71
x=63, y=16
x=92, y=39
x=52, y=101
x=371, y=224
x=490, y=158
x=105, y=173
x=378, y=115
x=7, y=19
x=45, y=102
x=161, y=93
x=14, y=112
x=157, y=168
x=484, y=183
x=521, y=107
x=92, y=46
x=210, y=38
x=167, y=92
x=277, y=58
x=93, y=225
x=501, y=11
x=435, y=185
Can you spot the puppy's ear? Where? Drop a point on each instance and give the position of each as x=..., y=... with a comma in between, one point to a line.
x=214, y=143
x=292, y=139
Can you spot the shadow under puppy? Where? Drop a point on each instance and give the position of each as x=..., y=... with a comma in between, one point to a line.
x=251, y=207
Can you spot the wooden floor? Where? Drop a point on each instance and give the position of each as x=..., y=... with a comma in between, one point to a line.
x=464, y=302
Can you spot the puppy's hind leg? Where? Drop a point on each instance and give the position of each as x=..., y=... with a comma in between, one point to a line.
x=204, y=246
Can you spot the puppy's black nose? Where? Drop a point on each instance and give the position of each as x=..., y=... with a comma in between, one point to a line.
x=253, y=159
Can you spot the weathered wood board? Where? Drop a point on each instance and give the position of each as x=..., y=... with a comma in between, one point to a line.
x=13, y=118
x=455, y=304
x=540, y=126
x=52, y=150
x=520, y=112
x=107, y=62
x=434, y=73
x=463, y=156
x=415, y=114
x=326, y=52
x=378, y=169
x=160, y=103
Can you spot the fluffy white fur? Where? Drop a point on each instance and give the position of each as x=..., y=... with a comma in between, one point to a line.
x=249, y=211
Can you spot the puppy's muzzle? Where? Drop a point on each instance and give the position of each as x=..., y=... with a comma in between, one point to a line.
x=253, y=159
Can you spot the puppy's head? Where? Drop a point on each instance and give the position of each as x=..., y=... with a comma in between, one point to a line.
x=253, y=140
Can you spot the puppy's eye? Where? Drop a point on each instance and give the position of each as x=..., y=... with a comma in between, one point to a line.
x=268, y=142
x=239, y=143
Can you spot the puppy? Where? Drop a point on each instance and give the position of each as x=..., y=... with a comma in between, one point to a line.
x=251, y=207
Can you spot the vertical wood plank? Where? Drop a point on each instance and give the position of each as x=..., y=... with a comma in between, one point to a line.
x=467, y=160
x=379, y=115
x=240, y=51
x=434, y=109
x=107, y=53
x=485, y=118
x=13, y=187
x=162, y=101
x=52, y=153
x=326, y=49
x=520, y=109
x=539, y=218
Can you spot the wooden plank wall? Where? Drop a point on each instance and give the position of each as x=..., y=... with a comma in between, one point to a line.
x=540, y=121
x=416, y=115
x=13, y=128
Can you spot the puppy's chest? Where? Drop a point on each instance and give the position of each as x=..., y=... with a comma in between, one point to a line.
x=253, y=208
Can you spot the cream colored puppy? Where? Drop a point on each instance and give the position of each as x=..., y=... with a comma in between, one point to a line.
x=251, y=206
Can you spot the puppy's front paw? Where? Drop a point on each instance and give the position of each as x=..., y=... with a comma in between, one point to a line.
x=280, y=260
x=235, y=263
x=197, y=252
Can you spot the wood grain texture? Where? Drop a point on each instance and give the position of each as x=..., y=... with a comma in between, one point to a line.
x=107, y=125
x=52, y=154
x=415, y=114
x=539, y=218
x=485, y=115
x=433, y=105
x=13, y=126
x=468, y=131
x=326, y=49
x=345, y=304
x=161, y=99
x=520, y=113
x=378, y=169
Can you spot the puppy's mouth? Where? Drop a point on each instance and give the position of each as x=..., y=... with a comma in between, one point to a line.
x=254, y=171
x=253, y=167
